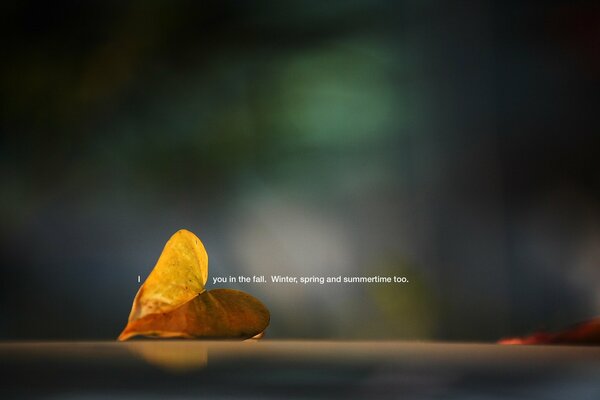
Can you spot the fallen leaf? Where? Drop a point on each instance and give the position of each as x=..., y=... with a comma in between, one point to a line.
x=173, y=302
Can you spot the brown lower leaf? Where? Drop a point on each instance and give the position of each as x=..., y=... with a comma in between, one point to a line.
x=217, y=314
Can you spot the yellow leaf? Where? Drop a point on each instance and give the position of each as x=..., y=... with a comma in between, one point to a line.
x=179, y=275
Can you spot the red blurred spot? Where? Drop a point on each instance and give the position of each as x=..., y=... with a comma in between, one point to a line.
x=586, y=333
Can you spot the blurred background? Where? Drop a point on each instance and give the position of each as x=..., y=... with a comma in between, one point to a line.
x=455, y=143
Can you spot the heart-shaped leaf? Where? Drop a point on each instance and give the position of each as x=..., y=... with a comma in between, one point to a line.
x=173, y=302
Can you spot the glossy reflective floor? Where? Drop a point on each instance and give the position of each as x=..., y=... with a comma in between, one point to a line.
x=296, y=369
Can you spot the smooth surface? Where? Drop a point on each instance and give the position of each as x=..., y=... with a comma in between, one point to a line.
x=296, y=369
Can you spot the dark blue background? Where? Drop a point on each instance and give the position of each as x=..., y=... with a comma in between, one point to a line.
x=455, y=143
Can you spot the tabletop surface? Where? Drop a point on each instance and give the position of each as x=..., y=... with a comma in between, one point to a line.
x=268, y=369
